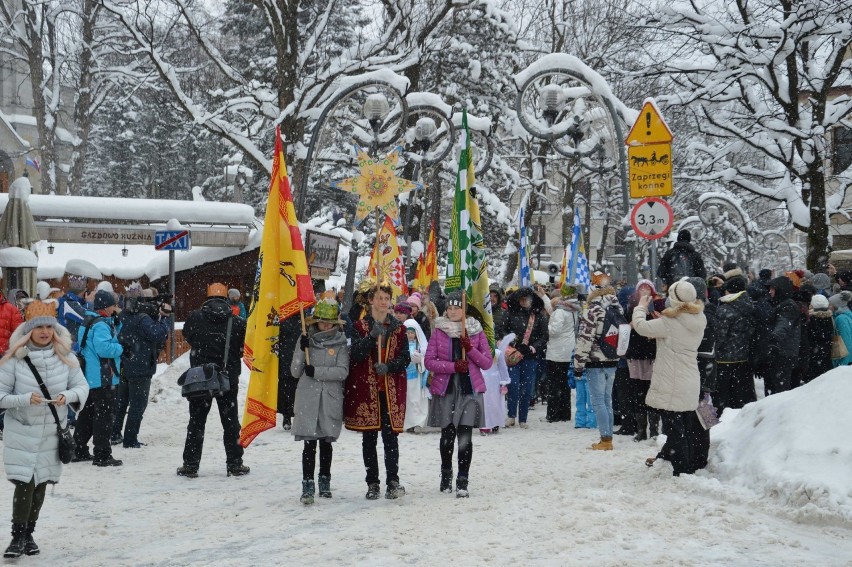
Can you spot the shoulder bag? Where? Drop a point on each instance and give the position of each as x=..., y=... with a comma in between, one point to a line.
x=66, y=439
x=838, y=345
x=514, y=356
x=207, y=380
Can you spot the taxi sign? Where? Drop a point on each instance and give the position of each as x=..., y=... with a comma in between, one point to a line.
x=649, y=128
x=652, y=218
x=650, y=170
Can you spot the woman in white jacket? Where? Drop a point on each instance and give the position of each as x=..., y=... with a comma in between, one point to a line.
x=675, y=381
x=31, y=442
x=560, y=348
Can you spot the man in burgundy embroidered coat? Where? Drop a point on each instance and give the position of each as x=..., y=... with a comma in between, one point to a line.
x=375, y=389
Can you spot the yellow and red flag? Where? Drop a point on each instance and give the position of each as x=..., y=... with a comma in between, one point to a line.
x=418, y=274
x=386, y=261
x=282, y=286
x=430, y=265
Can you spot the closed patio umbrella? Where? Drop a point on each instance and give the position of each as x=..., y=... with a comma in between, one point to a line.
x=18, y=230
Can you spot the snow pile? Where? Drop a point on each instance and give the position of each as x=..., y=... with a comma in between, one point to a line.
x=793, y=446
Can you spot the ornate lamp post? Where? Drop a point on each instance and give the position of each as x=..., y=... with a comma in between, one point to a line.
x=567, y=105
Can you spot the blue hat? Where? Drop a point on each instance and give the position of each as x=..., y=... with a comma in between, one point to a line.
x=103, y=300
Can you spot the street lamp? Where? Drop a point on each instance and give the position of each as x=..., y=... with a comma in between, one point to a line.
x=582, y=119
x=552, y=99
x=124, y=251
x=50, y=248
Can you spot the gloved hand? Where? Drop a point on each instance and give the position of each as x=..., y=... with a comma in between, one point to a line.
x=309, y=370
x=461, y=366
x=465, y=342
x=416, y=357
x=381, y=368
x=378, y=330
x=524, y=349
x=304, y=341
x=578, y=375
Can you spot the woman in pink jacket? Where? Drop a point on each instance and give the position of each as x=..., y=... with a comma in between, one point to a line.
x=456, y=360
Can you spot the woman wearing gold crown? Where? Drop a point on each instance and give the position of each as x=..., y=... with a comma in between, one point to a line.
x=40, y=351
x=318, y=408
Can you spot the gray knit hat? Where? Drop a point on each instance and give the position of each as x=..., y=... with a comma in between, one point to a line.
x=821, y=281
x=700, y=287
x=840, y=300
x=40, y=314
x=454, y=298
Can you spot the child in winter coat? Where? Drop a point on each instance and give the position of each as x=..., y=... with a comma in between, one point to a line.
x=417, y=394
x=458, y=353
x=318, y=407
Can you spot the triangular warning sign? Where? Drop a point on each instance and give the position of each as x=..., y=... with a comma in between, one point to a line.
x=649, y=128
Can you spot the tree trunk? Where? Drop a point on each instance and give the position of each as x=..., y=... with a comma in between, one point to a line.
x=818, y=229
x=35, y=60
x=83, y=105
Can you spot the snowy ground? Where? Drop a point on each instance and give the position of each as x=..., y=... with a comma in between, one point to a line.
x=538, y=497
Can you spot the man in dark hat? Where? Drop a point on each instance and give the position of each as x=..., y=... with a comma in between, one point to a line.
x=681, y=261
x=98, y=339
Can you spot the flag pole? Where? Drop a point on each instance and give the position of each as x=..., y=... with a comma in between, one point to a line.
x=304, y=332
x=464, y=320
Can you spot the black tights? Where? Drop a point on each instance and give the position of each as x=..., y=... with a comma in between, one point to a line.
x=309, y=458
x=448, y=441
x=26, y=504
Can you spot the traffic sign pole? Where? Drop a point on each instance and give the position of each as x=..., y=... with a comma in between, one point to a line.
x=172, y=316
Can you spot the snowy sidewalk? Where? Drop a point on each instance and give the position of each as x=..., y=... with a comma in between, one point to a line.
x=538, y=497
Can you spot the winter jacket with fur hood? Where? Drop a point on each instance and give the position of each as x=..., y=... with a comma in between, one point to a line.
x=675, y=383
x=588, y=353
x=516, y=319
x=30, y=442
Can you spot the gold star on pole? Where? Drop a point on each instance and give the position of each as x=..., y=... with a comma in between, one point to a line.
x=377, y=185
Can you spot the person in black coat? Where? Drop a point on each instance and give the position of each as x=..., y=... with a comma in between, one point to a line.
x=735, y=329
x=681, y=260
x=144, y=331
x=206, y=332
x=524, y=306
x=820, y=331
x=758, y=291
x=641, y=352
x=784, y=336
x=802, y=297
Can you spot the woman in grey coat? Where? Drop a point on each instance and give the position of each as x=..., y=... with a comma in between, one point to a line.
x=31, y=443
x=318, y=407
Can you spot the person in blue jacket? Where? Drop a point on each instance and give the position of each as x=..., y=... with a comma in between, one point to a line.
x=144, y=331
x=102, y=353
x=839, y=305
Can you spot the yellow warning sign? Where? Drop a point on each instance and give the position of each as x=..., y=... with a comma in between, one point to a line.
x=649, y=128
x=650, y=170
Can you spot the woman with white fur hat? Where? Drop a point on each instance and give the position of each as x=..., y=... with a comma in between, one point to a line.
x=675, y=382
x=30, y=444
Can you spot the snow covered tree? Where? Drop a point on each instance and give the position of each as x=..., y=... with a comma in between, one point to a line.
x=760, y=78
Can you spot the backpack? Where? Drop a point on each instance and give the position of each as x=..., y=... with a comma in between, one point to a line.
x=87, y=324
x=682, y=266
x=612, y=341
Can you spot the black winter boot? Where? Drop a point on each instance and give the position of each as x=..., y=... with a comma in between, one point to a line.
x=238, y=470
x=446, y=480
x=373, y=491
x=461, y=487
x=189, y=471
x=30, y=547
x=307, y=492
x=654, y=424
x=324, y=485
x=628, y=426
x=394, y=490
x=19, y=541
x=641, y=427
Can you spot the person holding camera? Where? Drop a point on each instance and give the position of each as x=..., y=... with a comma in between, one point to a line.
x=206, y=331
x=144, y=330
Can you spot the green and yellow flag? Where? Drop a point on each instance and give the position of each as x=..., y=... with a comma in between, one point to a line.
x=467, y=267
x=282, y=287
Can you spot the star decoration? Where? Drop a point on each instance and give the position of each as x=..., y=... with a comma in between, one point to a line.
x=377, y=185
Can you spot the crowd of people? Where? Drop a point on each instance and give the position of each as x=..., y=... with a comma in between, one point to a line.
x=638, y=357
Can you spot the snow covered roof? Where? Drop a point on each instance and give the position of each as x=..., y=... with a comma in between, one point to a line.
x=138, y=210
x=4, y=120
x=14, y=257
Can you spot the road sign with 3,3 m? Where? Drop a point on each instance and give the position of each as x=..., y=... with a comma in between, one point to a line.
x=172, y=240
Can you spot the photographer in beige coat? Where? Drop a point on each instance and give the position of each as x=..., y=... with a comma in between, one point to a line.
x=675, y=382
